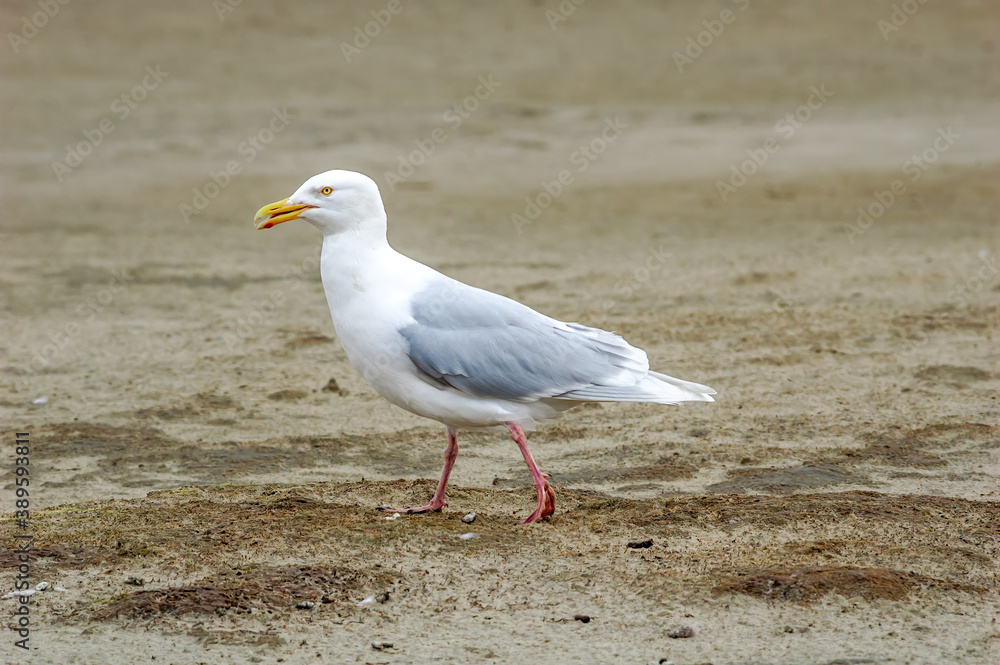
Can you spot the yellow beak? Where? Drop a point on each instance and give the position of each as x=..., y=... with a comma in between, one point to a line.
x=277, y=213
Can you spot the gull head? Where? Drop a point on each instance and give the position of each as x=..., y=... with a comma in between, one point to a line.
x=333, y=202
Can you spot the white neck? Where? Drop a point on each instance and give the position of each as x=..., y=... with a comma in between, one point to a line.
x=364, y=271
x=348, y=264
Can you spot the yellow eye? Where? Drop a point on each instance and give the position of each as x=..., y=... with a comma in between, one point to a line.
x=326, y=191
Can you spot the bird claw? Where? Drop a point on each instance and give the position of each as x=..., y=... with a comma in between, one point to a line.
x=546, y=504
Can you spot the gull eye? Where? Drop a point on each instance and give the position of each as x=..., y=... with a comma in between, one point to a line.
x=326, y=191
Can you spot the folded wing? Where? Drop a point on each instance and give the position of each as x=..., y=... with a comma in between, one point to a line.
x=486, y=345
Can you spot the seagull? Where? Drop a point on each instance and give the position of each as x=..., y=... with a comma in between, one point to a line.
x=454, y=353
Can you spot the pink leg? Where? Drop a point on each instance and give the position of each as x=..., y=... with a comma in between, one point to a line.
x=546, y=495
x=437, y=502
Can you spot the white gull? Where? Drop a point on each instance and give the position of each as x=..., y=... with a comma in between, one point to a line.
x=449, y=351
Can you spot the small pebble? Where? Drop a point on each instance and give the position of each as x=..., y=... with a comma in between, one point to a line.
x=469, y=536
x=41, y=400
x=305, y=605
x=135, y=581
x=332, y=387
x=381, y=646
x=679, y=632
x=470, y=518
x=383, y=597
x=41, y=586
x=641, y=544
x=370, y=600
x=394, y=516
x=582, y=618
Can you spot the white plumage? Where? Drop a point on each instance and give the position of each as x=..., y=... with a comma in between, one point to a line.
x=448, y=351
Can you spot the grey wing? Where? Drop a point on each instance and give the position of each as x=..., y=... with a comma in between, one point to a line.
x=487, y=345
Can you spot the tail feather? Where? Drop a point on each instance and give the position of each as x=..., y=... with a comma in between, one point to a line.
x=655, y=387
x=686, y=385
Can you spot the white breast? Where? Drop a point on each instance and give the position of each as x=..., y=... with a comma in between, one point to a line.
x=369, y=294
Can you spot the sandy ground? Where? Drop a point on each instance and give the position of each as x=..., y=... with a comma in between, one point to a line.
x=838, y=504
